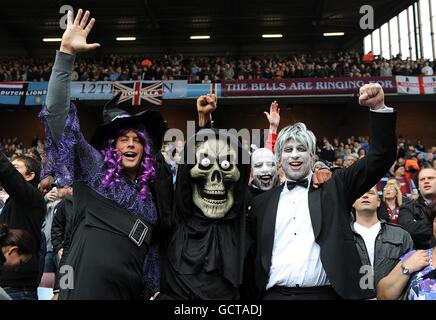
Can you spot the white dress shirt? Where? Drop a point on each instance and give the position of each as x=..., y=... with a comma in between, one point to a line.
x=296, y=260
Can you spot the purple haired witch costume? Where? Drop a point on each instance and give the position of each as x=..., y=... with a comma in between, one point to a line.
x=111, y=249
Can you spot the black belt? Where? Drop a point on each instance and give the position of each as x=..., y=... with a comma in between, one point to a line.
x=303, y=290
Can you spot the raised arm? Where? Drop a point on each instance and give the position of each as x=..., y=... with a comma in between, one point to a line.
x=366, y=172
x=68, y=155
x=58, y=95
x=274, y=121
x=205, y=106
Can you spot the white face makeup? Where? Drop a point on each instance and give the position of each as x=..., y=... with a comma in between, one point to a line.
x=296, y=160
x=264, y=169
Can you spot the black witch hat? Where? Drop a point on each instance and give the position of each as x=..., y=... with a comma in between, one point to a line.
x=116, y=119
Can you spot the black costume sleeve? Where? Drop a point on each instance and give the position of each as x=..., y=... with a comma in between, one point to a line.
x=365, y=173
x=14, y=183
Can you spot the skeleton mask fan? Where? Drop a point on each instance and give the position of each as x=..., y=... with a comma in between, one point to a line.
x=214, y=177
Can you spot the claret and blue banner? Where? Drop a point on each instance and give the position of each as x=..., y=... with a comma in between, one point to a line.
x=138, y=93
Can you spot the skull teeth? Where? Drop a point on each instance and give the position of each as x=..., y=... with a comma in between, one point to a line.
x=215, y=192
x=214, y=196
x=215, y=202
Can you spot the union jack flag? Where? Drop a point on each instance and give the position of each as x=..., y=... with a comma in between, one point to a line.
x=136, y=92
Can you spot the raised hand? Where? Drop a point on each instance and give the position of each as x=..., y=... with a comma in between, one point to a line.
x=207, y=104
x=372, y=96
x=273, y=116
x=320, y=176
x=74, y=37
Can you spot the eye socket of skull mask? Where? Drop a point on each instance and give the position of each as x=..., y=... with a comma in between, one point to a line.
x=213, y=177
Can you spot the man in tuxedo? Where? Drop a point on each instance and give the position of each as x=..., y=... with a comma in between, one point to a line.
x=304, y=244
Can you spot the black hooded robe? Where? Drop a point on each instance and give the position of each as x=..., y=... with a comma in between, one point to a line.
x=205, y=257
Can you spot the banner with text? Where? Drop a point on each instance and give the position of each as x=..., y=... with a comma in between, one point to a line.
x=132, y=92
x=23, y=93
x=303, y=86
x=141, y=92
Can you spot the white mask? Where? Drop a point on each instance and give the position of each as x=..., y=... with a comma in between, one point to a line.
x=264, y=169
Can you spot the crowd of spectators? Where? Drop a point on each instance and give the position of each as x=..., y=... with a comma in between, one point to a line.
x=215, y=69
x=335, y=152
x=13, y=147
x=410, y=158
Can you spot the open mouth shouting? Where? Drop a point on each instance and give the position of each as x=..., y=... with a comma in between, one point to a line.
x=131, y=159
x=295, y=165
x=130, y=155
x=265, y=179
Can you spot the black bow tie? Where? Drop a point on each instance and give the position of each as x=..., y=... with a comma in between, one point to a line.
x=292, y=184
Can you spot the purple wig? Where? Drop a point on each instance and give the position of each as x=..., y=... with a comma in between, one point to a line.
x=113, y=158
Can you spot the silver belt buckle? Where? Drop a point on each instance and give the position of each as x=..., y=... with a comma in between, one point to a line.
x=138, y=224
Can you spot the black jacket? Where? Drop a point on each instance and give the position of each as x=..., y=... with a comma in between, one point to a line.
x=61, y=226
x=24, y=209
x=414, y=218
x=61, y=230
x=329, y=208
x=391, y=243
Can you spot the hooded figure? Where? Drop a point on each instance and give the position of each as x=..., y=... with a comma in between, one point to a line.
x=206, y=251
x=111, y=251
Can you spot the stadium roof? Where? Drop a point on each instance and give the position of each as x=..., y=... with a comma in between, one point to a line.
x=166, y=26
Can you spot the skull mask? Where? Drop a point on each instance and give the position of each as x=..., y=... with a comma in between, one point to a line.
x=214, y=176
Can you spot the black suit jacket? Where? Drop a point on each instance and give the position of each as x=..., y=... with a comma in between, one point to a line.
x=329, y=209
